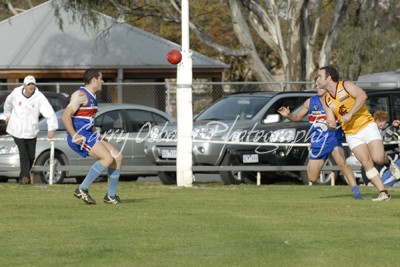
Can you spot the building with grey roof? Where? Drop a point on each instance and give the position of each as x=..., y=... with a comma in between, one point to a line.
x=382, y=80
x=33, y=43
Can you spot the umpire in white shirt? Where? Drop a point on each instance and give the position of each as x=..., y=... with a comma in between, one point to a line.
x=22, y=109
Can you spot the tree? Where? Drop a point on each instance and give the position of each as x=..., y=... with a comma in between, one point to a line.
x=369, y=42
x=259, y=37
x=14, y=7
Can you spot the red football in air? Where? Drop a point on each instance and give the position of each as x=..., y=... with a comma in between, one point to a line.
x=174, y=56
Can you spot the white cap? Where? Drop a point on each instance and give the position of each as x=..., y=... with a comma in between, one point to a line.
x=29, y=79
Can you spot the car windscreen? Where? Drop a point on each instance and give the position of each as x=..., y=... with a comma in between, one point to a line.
x=43, y=122
x=230, y=108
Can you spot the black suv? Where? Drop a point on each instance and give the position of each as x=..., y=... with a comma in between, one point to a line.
x=218, y=123
x=285, y=131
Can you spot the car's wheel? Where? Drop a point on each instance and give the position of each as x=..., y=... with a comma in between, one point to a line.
x=44, y=160
x=229, y=177
x=79, y=179
x=325, y=177
x=167, y=178
x=3, y=179
x=249, y=177
x=131, y=178
x=99, y=179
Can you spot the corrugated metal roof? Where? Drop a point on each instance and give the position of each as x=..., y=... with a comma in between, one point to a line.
x=389, y=76
x=33, y=39
x=380, y=80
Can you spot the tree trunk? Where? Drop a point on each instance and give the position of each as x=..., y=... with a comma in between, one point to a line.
x=293, y=72
x=330, y=37
x=244, y=35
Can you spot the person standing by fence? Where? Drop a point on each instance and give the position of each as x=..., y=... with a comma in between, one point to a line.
x=22, y=110
x=84, y=139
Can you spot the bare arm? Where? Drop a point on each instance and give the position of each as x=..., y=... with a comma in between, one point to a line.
x=66, y=119
x=360, y=97
x=285, y=112
x=330, y=117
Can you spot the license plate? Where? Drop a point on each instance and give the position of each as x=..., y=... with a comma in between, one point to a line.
x=252, y=158
x=168, y=154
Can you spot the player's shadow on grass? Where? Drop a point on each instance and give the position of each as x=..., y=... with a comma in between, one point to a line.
x=133, y=200
x=368, y=196
x=339, y=196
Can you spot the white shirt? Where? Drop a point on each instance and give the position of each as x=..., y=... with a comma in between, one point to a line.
x=23, y=113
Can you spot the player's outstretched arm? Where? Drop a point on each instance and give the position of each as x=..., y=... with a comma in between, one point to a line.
x=285, y=112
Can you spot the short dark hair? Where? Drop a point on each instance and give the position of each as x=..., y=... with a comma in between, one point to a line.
x=331, y=71
x=90, y=74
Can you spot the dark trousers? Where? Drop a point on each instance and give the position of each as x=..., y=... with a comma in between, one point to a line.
x=27, y=149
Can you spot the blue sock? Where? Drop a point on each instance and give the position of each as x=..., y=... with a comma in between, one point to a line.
x=356, y=192
x=92, y=175
x=113, y=177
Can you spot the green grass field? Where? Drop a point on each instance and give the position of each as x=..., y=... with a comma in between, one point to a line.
x=207, y=225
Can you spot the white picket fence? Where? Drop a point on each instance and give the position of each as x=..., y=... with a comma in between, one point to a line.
x=155, y=168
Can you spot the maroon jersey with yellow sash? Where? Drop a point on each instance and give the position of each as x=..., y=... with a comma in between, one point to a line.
x=341, y=103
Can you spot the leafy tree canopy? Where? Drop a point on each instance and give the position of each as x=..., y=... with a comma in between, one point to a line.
x=262, y=38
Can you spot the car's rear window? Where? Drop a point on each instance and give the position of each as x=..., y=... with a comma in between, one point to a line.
x=43, y=122
x=55, y=103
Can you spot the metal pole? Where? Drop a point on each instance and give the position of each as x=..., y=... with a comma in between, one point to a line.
x=51, y=163
x=184, y=158
x=120, y=79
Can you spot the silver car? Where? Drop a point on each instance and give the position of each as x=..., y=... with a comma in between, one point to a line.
x=123, y=122
x=218, y=123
